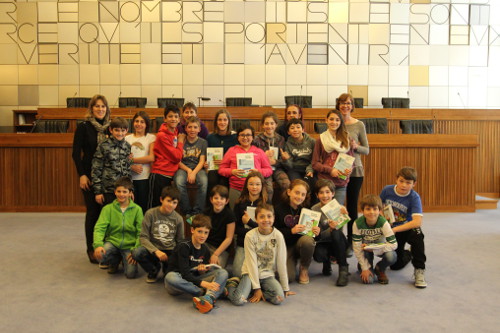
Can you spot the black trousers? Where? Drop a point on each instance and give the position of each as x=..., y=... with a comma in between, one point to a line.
x=335, y=246
x=156, y=184
x=352, y=195
x=415, y=238
x=91, y=217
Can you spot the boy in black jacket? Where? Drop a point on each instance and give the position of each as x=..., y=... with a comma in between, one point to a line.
x=188, y=272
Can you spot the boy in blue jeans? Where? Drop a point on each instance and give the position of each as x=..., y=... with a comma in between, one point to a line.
x=162, y=228
x=191, y=169
x=111, y=161
x=188, y=271
x=407, y=208
x=265, y=253
x=117, y=231
x=372, y=236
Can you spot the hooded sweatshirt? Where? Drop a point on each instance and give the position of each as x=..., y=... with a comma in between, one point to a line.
x=168, y=152
x=300, y=154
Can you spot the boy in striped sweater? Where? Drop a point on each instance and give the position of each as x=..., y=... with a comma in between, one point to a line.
x=373, y=236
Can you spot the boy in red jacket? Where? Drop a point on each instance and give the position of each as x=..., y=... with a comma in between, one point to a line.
x=168, y=150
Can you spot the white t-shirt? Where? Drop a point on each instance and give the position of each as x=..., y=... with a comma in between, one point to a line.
x=140, y=148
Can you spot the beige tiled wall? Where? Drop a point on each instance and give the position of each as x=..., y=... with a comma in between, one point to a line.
x=439, y=53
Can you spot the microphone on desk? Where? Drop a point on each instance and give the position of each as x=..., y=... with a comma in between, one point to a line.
x=461, y=100
x=118, y=99
x=35, y=123
x=72, y=100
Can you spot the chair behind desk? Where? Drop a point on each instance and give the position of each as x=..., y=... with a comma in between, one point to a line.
x=51, y=126
x=375, y=125
x=163, y=102
x=417, y=126
x=132, y=102
x=77, y=102
x=395, y=103
x=238, y=101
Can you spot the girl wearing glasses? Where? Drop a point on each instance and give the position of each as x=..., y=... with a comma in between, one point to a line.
x=300, y=248
x=229, y=165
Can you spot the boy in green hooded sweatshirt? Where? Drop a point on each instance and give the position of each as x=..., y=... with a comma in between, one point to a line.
x=117, y=231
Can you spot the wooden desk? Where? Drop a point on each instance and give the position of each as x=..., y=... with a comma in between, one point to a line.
x=38, y=173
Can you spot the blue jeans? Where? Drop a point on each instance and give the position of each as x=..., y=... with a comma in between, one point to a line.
x=388, y=258
x=176, y=285
x=271, y=289
x=180, y=180
x=149, y=261
x=239, y=258
x=113, y=256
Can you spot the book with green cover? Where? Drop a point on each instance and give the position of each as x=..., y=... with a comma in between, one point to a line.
x=332, y=212
x=310, y=219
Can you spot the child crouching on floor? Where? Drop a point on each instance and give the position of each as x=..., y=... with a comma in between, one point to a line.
x=188, y=271
x=372, y=235
x=265, y=253
x=117, y=231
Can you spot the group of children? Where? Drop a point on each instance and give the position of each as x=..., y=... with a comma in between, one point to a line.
x=268, y=238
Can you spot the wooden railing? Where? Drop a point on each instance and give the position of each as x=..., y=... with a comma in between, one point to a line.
x=38, y=173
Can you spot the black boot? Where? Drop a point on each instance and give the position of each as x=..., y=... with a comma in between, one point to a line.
x=327, y=268
x=343, y=278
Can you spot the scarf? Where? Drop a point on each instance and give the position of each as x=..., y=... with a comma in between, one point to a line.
x=100, y=128
x=330, y=143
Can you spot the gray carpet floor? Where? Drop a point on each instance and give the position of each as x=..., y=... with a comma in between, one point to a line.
x=48, y=285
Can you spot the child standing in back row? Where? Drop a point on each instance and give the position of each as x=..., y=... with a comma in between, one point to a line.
x=111, y=161
x=191, y=169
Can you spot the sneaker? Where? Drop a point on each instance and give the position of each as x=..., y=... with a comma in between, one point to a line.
x=381, y=277
x=420, y=278
x=231, y=283
x=103, y=265
x=348, y=252
x=112, y=269
x=343, y=278
x=327, y=268
x=204, y=304
x=151, y=278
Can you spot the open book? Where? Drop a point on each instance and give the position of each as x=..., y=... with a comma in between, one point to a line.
x=310, y=219
x=332, y=212
x=343, y=162
x=374, y=246
x=245, y=162
x=214, y=153
x=208, y=266
x=389, y=214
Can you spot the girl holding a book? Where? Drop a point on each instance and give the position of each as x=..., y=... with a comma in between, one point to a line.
x=333, y=153
x=300, y=247
x=254, y=192
x=242, y=159
x=222, y=137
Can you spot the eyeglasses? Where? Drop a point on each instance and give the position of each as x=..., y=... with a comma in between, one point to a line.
x=345, y=103
x=245, y=135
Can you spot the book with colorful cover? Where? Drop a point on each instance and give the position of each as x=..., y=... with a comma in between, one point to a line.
x=245, y=162
x=310, y=219
x=332, y=212
x=343, y=162
x=389, y=214
x=214, y=153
